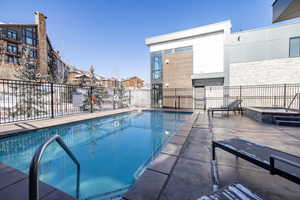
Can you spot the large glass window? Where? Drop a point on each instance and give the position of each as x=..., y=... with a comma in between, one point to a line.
x=30, y=36
x=12, y=34
x=295, y=47
x=156, y=66
x=12, y=48
x=12, y=59
x=183, y=49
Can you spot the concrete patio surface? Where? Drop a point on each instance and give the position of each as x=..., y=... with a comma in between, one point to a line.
x=183, y=169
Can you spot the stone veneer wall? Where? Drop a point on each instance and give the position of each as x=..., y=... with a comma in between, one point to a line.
x=276, y=71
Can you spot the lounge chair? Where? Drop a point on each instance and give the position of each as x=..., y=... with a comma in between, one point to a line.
x=277, y=162
x=233, y=106
x=234, y=191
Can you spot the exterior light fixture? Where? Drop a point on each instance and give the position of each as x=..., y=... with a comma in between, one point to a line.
x=167, y=61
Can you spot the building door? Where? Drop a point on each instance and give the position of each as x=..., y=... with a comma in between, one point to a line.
x=199, y=98
x=156, y=95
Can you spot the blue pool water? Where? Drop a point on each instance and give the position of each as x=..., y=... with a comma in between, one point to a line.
x=112, y=151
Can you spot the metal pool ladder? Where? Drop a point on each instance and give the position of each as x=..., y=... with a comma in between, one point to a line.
x=35, y=162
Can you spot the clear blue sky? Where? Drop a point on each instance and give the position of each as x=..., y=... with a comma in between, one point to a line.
x=110, y=34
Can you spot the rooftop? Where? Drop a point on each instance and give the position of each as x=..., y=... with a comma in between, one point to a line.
x=188, y=33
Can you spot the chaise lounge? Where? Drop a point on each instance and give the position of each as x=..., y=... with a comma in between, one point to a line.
x=232, y=192
x=277, y=162
x=233, y=106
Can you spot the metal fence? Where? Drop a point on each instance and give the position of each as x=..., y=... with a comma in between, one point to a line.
x=178, y=98
x=276, y=96
x=25, y=100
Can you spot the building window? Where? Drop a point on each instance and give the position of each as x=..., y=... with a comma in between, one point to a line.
x=30, y=36
x=156, y=67
x=33, y=53
x=12, y=34
x=12, y=48
x=295, y=47
x=183, y=49
x=12, y=59
x=168, y=51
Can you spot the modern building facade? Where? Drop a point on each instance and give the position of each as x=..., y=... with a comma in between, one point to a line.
x=268, y=55
x=285, y=9
x=212, y=56
x=187, y=59
x=30, y=40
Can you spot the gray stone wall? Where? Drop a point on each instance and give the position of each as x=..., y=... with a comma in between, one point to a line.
x=276, y=71
x=263, y=44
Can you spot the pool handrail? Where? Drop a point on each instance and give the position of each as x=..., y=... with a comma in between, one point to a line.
x=290, y=104
x=35, y=162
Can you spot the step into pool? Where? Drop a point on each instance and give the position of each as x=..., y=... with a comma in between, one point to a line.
x=113, y=151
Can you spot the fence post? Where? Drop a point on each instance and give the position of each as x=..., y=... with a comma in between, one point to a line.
x=299, y=103
x=284, y=96
x=204, y=98
x=129, y=97
x=52, y=100
x=175, y=98
x=240, y=92
x=91, y=99
x=114, y=104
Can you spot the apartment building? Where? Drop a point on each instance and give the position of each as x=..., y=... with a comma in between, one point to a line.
x=32, y=41
x=112, y=82
x=133, y=82
x=187, y=59
x=211, y=56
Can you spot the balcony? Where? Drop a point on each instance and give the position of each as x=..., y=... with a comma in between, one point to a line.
x=285, y=9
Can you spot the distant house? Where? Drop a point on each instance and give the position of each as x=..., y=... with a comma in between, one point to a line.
x=111, y=82
x=17, y=40
x=77, y=76
x=133, y=82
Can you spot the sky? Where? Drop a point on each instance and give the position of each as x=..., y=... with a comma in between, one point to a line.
x=110, y=34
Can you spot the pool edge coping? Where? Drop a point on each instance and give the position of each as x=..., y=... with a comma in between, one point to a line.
x=185, y=127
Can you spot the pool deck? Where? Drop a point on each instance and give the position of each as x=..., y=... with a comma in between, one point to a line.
x=182, y=171
x=185, y=173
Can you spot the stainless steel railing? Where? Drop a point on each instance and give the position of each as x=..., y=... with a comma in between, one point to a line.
x=35, y=162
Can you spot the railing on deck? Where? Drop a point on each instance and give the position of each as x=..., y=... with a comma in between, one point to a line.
x=275, y=95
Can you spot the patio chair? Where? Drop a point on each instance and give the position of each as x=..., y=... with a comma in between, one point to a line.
x=232, y=192
x=277, y=162
x=233, y=106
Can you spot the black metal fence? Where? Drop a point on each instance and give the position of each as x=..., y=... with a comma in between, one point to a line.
x=25, y=100
x=178, y=98
x=276, y=95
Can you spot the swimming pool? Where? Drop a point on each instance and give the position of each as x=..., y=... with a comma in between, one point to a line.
x=113, y=151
